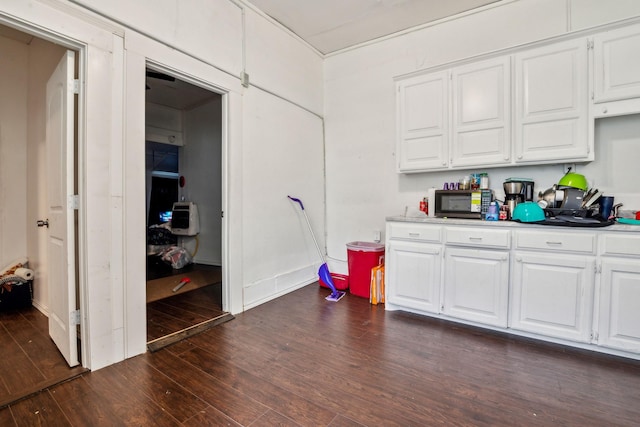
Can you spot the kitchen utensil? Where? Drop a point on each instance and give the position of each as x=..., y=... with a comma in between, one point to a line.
x=548, y=197
x=512, y=187
x=594, y=198
x=572, y=198
x=615, y=208
x=528, y=212
x=574, y=180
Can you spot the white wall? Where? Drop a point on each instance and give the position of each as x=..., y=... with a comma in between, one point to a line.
x=201, y=165
x=24, y=70
x=210, y=43
x=13, y=150
x=282, y=155
x=362, y=185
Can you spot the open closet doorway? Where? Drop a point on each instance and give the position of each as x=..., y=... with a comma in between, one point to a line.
x=183, y=165
x=38, y=156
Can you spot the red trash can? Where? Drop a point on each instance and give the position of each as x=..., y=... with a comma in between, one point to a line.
x=361, y=258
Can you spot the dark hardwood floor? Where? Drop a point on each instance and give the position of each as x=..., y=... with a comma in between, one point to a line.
x=29, y=360
x=179, y=312
x=302, y=361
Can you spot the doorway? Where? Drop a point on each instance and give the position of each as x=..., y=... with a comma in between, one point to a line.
x=183, y=164
x=33, y=361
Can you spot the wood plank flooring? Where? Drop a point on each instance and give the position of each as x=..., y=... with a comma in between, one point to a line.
x=29, y=360
x=182, y=311
x=302, y=361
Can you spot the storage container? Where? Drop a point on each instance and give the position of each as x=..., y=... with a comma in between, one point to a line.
x=361, y=258
x=340, y=281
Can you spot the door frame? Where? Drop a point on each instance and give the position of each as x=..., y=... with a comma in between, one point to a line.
x=224, y=158
x=78, y=169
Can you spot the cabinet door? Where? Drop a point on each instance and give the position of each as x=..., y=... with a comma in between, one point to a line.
x=617, y=64
x=481, y=113
x=422, y=123
x=477, y=285
x=553, y=295
x=551, y=90
x=619, y=325
x=412, y=276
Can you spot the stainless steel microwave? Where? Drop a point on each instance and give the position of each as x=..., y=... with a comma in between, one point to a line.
x=472, y=204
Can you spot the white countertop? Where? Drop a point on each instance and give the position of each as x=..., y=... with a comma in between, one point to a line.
x=512, y=224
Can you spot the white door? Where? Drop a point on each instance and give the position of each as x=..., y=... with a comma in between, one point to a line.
x=481, y=113
x=60, y=189
x=476, y=285
x=422, y=117
x=617, y=64
x=551, y=103
x=552, y=295
x=619, y=325
x=413, y=276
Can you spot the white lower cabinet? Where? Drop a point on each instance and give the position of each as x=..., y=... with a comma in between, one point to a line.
x=576, y=286
x=619, y=307
x=619, y=325
x=552, y=295
x=476, y=285
x=412, y=275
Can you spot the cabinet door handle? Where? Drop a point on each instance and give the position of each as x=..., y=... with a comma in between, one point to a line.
x=476, y=239
x=414, y=234
x=552, y=243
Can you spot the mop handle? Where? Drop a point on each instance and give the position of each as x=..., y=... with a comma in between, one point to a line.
x=297, y=201
x=309, y=224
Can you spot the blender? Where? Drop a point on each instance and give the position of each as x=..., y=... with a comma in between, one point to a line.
x=517, y=190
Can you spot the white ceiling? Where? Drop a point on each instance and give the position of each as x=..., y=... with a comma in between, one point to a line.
x=331, y=25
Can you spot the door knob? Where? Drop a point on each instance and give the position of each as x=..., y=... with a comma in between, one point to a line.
x=43, y=223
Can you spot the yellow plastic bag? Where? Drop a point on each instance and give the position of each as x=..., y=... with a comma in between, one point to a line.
x=376, y=294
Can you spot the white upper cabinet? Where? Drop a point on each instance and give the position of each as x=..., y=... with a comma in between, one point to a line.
x=422, y=122
x=617, y=64
x=481, y=113
x=551, y=107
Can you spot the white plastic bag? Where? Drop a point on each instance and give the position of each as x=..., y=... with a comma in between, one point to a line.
x=176, y=256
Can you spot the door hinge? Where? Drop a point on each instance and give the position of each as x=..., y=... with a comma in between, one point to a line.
x=589, y=44
x=244, y=79
x=594, y=337
x=74, y=202
x=221, y=214
x=74, y=317
x=76, y=86
x=597, y=268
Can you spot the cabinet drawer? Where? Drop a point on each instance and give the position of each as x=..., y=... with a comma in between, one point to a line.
x=478, y=237
x=620, y=244
x=556, y=241
x=419, y=232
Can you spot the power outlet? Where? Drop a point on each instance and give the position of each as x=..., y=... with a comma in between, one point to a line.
x=377, y=236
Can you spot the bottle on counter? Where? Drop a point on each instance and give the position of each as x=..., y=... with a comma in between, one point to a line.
x=484, y=181
x=504, y=212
